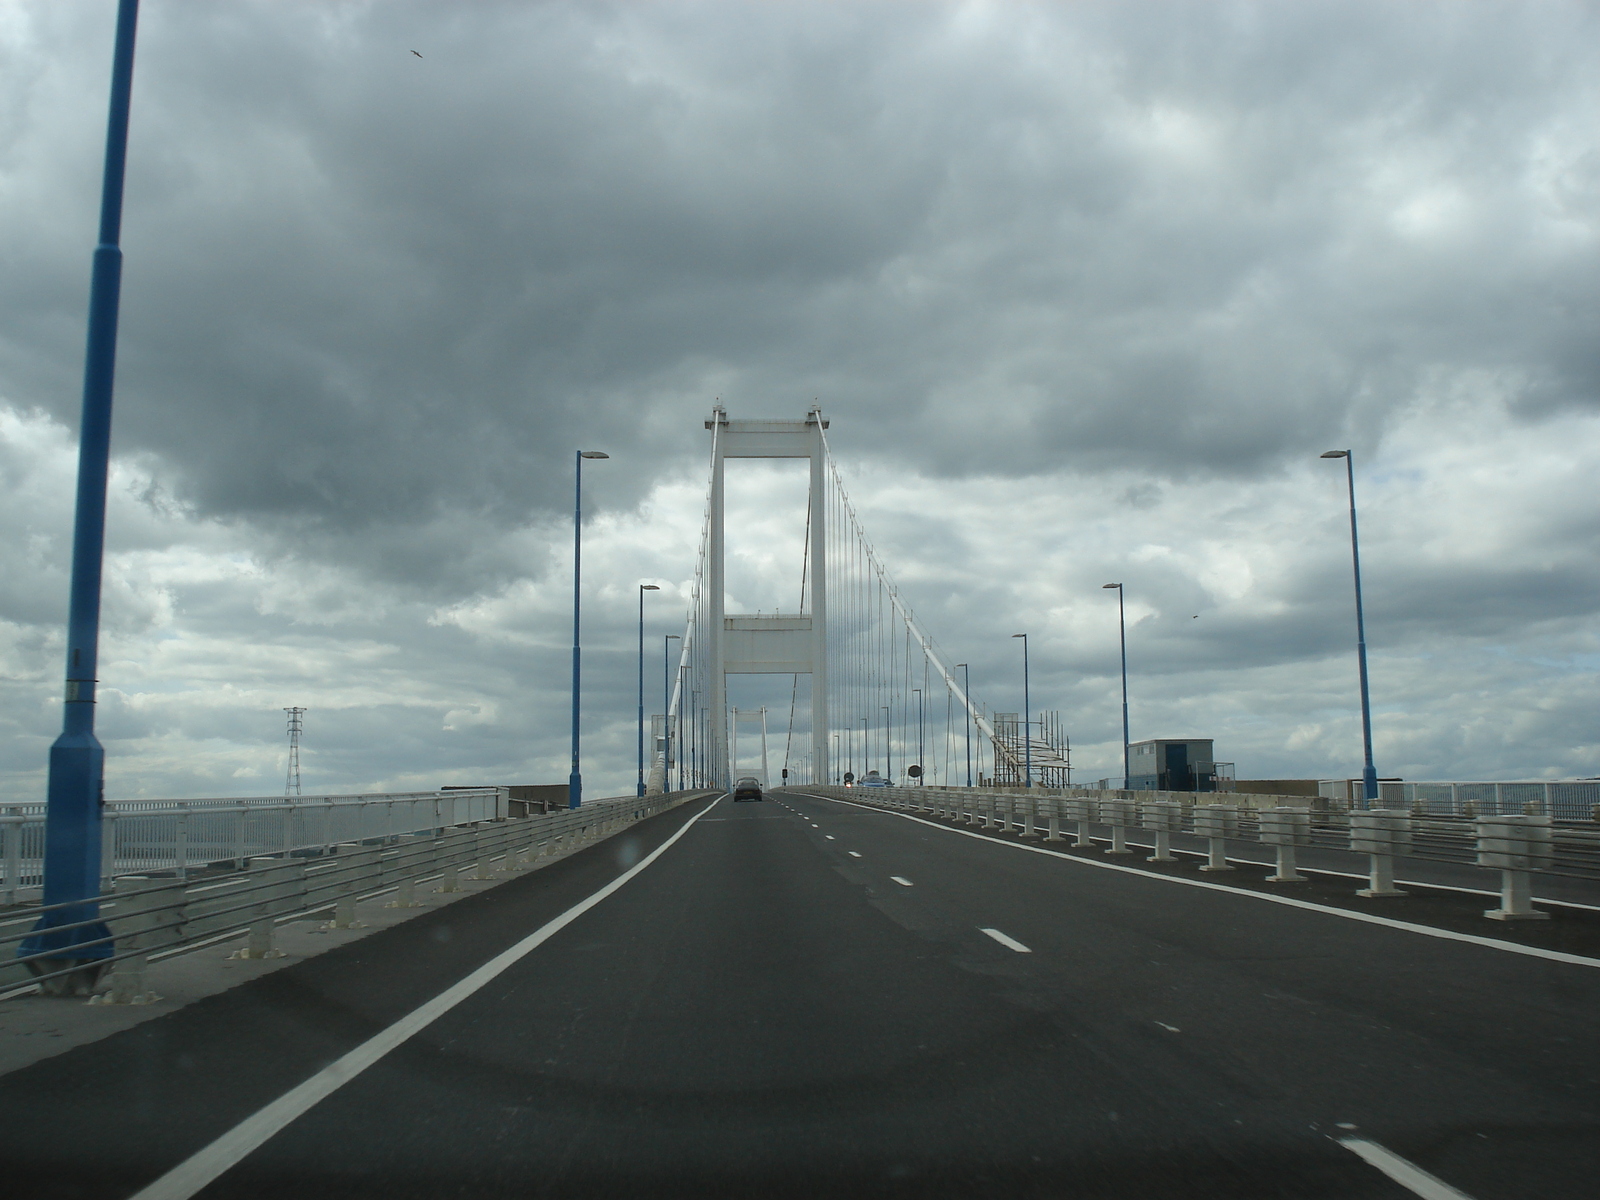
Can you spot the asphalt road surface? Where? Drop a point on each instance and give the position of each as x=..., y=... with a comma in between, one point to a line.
x=805, y=998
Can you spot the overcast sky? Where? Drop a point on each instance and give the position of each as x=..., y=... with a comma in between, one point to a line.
x=1084, y=289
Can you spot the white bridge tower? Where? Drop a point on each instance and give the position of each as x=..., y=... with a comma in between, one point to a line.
x=769, y=645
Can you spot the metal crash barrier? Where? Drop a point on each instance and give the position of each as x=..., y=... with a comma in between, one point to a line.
x=150, y=914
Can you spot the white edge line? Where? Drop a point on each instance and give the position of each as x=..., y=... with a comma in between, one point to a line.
x=1448, y=935
x=206, y=1164
x=1010, y=943
x=1404, y=1172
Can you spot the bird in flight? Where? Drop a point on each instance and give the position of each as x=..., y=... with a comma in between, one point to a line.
x=418, y=55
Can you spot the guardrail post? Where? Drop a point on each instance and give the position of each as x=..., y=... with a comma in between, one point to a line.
x=278, y=880
x=1517, y=845
x=1055, y=829
x=360, y=860
x=141, y=906
x=1380, y=833
x=1081, y=813
x=1163, y=818
x=1285, y=827
x=1216, y=823
x=1030, y=819
x=1119, y=815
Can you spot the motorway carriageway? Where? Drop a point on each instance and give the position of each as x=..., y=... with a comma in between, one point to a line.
x=807, y=998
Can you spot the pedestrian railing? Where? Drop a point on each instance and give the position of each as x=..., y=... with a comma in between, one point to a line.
x=184, y=836
x=1518, y=845
x=148, y=915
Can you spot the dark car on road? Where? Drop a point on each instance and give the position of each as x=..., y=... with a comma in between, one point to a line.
x=748, y=788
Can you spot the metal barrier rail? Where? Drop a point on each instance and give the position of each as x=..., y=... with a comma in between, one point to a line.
x=1517, y=845
x=147, y=915
x=182, y=835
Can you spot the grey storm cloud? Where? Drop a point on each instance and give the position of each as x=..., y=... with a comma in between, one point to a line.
x=367, y=292
x=1085, y=287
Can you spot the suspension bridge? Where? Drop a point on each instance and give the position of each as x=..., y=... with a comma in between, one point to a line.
x=974, y=980
x=880, y=698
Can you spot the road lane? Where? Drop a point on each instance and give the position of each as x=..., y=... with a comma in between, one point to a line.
x=1460, y=1057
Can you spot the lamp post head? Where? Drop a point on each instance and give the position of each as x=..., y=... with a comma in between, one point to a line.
x=1020, y=635
x=1110, y=585
x=650, y=587
x=1334, y=454
x=593, y=454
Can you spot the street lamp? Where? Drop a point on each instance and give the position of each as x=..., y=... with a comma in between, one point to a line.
x=966, y=689
x=1122, y=636
x=76, y=781
x=1027, y=714
x=1369, y=773
x=643, y=588
x=575, y=780
x=666, y=709
x=922, y=767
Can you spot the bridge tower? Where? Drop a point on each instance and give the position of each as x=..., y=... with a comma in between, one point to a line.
x=769, y=645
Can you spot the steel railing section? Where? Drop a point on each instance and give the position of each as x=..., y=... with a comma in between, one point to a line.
x=1564, y=799
x=140, y=836
x=1517, y=844
x=165, y=914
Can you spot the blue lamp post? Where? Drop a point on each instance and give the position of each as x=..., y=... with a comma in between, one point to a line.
x=70, y=935
x=1122, y=637
x=643, y=588
x=1369, y=773
x=666, y=709
x=966, y=696
x=575, y=780
x=922, y=765
x=1027, y=715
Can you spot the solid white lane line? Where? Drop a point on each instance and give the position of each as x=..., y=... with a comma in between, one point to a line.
x=1010, y=943
x=853, y=854
x=902, y=882
x=205, y=1165
x=1404, y=1172
x=1448, y=935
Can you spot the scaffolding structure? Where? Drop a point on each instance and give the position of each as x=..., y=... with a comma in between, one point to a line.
x=1047, y=746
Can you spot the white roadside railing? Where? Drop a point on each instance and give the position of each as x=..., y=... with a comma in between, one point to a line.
x=1517, y=845
x=149, y=914
x=184, y=836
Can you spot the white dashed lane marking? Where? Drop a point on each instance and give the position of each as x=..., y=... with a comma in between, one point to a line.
x=853, y=854
x=1010, y=943
x=903, y=882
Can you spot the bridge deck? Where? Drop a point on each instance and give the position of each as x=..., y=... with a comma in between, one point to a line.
x=806, y=998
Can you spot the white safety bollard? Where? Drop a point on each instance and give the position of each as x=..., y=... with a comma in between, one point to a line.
x=1515, y=844
x=1380, y=833
x=1163, y=818
x=1216, y=823
x=1285, y=828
